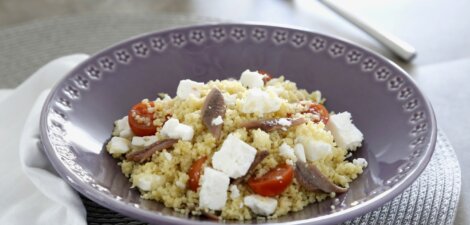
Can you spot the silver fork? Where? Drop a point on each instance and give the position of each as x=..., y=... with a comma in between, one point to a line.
x=399, y=47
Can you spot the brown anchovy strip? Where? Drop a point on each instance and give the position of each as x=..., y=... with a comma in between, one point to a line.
x=145, y=154
x=214, y=106
x=258, y=158
x=312, y=179
x=210, y=216
x=271, y=124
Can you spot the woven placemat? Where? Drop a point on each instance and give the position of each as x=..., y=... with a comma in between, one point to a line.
x=431, y=199
x=26, y=47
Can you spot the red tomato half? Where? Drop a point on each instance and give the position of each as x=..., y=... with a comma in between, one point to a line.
x=194, y=173
x=273, y=182
x=320, y=110
x=141, y=120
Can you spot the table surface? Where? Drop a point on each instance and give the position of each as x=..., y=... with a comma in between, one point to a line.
x=438, y=29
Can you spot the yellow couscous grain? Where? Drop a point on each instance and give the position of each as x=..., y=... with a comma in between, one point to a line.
x=170, y=167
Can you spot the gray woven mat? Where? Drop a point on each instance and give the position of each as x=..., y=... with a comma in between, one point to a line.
x=432, y=199
x=27, y=47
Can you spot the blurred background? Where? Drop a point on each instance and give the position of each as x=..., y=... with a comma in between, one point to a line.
x=33, y=32
x=435, y=27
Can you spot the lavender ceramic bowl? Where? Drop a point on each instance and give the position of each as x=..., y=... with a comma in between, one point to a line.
x=397, y=121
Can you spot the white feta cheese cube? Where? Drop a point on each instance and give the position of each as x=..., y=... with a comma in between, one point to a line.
x=345, y=133
x=122, y=128
x=234, y=192
x=234, y=158
x=118, y=145
x=258, y=101
x=300, y=152
x=143, y=141
x=360, y=162
x=187, y=88
x=146, y=181
x=230, y=99
x=174, y=129
x=169, y=127
x=217, y=121
x=252, y=79
x=315, y=150
x=184, y=132
x=137, y=141
x=213, y=193
x=286, y=151
x=261, y=205
x=127, y=133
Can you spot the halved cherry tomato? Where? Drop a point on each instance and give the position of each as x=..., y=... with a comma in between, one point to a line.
x=274, y=182
x=141, y=120
x=267, y=77
x=320, y=110
x=194, y=173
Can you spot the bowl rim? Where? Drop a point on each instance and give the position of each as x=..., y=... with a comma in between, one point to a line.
x=149, y=216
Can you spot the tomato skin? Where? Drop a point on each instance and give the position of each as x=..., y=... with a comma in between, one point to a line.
x=274, y=182
x=139, y=128
x=194, y=173
x=267, y=76
x=320, y=110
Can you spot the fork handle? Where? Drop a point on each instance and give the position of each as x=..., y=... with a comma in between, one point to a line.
x=399, y=47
